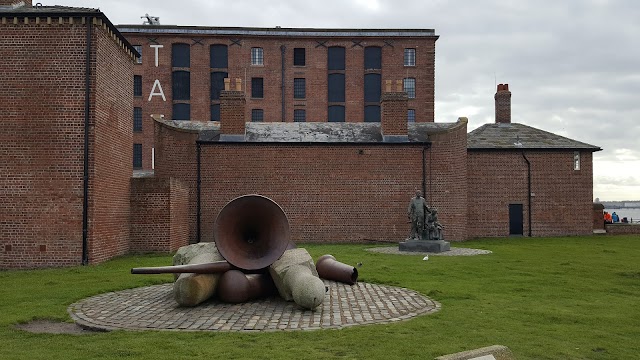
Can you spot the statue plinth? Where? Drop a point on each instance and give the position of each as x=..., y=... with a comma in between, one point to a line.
x=432, y=246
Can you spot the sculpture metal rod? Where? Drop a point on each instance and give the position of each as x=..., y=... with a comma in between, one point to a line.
x=206, y=268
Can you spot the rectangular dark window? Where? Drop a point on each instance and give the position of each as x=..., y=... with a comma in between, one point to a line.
x=181, y=112
x=335, y=58
x=372, y=57
x=256, y=88
x=336, y=113
x=299, y=115
x=139, y=50
x=137, y=156
x=215, y=112
x=257, y=56
x=409, y=57
x=299, y=88
x=411, y=115
x=336, y=87
x=217, y=83
x=372, y=87
x=181, y=85
x=257, y=115
x=372, y=113
x=219, y=56
x=410, y=87
x=137, y=85
x=180, y=55
x=299, y=57
x=137, y=119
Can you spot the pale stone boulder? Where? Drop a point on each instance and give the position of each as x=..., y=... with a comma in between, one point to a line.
x=296, y=278
x=193, y=289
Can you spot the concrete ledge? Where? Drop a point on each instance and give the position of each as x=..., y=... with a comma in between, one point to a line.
x=622, y=228
x=494, y=352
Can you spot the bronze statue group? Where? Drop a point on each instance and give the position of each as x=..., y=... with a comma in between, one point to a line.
x=424, y=220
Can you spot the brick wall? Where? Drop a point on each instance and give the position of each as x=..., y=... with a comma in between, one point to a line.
x=42, y=144
x=345, y=193
x=447, y=179
x=562, y=201
x=315, y=72
x=111, y=149
x=622, y=229
x=158, y=214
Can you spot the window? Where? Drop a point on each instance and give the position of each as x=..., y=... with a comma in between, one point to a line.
x=372, y=57
x=137, y=156
x=372, y=87
x=257, y=115
x=335, y=58
x=181, y=111
x=336, y=113
x=137, y=119
x=409, y=57
x=576, y=160
x=299, y=57
x=137, y=85
x=215, y=112
x=257, y=57
x=256, y=88
x=372, y=113
x=139, y=50
x=336, y=87
x=219, y=56
x=180, y=55
x=299, y=88
x=410, y=87
x=217, y=83
x=411, y=115
x=299, y=115
x=181, y=85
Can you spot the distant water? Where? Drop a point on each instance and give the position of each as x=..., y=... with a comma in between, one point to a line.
x=629, y=213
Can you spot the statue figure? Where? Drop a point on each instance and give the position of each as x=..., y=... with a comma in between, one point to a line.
x=433, y=226
x=416, y=212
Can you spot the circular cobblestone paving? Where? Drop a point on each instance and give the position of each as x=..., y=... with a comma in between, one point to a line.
x=153, y=307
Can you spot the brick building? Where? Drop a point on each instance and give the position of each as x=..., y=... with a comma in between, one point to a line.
x=288, y=75
x=337, y=126
x=66, y=139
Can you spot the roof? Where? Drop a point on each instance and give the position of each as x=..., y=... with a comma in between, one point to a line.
x=64, y=11
x=503, y=136
x=309, y=132
x=277, y=31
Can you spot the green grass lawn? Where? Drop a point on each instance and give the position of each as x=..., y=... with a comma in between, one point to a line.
x=544, y=298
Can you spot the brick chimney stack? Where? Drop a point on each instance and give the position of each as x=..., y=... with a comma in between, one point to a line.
x=232, y=104
x=503, y=104
x=393, y=120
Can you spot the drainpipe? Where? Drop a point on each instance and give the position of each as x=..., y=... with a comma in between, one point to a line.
x=528, y=188
x=85, y=176
x=282, y=49
x=198, y=187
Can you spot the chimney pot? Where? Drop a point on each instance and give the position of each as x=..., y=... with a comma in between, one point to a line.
x=503, y=104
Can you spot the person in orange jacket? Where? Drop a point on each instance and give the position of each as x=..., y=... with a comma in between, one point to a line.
x=607, y=218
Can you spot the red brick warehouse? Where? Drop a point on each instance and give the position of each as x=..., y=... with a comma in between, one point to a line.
x=312, y=75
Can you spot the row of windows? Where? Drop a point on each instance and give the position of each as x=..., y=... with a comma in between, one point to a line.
x=219, y=56
x=181, y=86
x=336, y=114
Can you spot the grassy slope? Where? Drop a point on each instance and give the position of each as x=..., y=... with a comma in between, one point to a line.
x=552, y=298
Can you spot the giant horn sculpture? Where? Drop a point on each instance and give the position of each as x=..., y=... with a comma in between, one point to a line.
x=251, y=232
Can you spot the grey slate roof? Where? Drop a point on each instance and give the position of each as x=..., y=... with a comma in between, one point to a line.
x=505, y=136
x=308, y=132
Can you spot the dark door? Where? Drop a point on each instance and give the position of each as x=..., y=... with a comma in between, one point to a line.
x=516, y=217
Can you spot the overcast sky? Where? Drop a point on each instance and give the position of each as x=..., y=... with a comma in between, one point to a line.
x=573, y=66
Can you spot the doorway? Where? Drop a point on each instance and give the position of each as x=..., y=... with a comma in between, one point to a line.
x=516, y=219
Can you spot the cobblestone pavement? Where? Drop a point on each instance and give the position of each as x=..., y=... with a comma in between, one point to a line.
x=452, y=252
x=153, y=307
